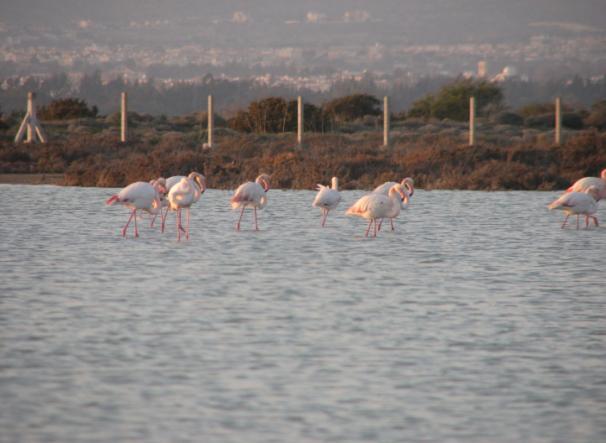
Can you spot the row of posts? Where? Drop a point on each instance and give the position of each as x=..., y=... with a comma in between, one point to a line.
x=31, y=125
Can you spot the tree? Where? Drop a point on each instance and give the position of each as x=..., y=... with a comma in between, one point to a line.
x=452, y=100
x=597, y=116
x=66, y=108
x=352, y=107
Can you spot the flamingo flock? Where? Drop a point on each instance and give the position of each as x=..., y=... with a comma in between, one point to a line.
x=178, y=193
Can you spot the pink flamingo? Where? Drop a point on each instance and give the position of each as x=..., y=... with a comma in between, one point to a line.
x=199, y=182
x=251, y=195
x=138, y=195
x=578, y=203
x=584, y=183
x=327, y=198
x=376, y=206
x=181, y=196
x=409, y=188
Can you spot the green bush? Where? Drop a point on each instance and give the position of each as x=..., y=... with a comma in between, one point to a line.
x=67, y=108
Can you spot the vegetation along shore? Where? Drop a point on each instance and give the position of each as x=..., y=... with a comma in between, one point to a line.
x=514, y=149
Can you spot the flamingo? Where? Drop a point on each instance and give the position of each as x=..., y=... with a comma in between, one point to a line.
x=578, y=203
x=161, y=181
x=199, y=182
x=409, y=188
x=327, y=198
x=138, y=195
x=584, y=183
x=181, y=196
x=378, y=206
x=251, y=195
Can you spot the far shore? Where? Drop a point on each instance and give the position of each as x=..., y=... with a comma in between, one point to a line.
x=32, y=179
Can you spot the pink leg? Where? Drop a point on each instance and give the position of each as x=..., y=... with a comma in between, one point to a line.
x=392, y=228
x=368, y=228
x=136, y=229
x=187, y=231
x=256, y=224
x=179, y=224
x=586, y=222
x=128, y=222
x=164, y=215
x=240, y=219
x=595, y=220
x=565, y=220
x=375, y=229
x=325, y=211
x=380, y=224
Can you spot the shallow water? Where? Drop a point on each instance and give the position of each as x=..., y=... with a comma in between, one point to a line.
x=478, y=320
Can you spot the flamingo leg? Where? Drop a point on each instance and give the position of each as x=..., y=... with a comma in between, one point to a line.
x=595, y=221
x=255, y=214
x=151, y=225
x=380, y=224
x=136, y=228
x=325, y=211
x=128, y=222
x=586, y=222
x=392, y=228
x=565, y=220
x=179, y=224
x=375, y=229
x=164, y=215
x=368, y=228
x=577, y=221
x=187, y=230
x=240, y=219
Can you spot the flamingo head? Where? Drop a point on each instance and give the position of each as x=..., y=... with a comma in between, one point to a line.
x=409, y=184
x=199, y=179
x=398, y=190
x=263, y=180
x=594, y=192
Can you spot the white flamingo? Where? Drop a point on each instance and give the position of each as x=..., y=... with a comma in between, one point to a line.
x=409, y=188
x=181, y=196
x=251, y=195
x=138, y=196
x=327, y=198
x=578, y=203
x=377, y=206
x=199, y=182
x=584, y=183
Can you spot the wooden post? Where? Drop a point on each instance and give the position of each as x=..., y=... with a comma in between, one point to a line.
x=472, y=121
x=558, y=121
x=124, y=118
x=299, y=120
x=211, y=121
x=335, y=183
x=385, y=121
x=30, y=124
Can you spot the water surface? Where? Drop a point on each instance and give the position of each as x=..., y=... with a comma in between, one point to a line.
x=477, y=320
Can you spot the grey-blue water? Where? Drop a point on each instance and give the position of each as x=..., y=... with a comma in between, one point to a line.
x=478, y=320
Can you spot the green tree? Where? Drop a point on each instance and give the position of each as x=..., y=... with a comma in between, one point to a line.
x=452, y=100
x=597, y=116
x=352, y=107
x=66, y=108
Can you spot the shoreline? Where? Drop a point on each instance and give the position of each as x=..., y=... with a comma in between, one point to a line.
x=32, y=179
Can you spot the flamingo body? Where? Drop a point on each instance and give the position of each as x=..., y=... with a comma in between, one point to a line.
x=584, y=183
x=376, y=206
x=327, y=199
x=137, y=196
x=578, y=203
x=251, y=195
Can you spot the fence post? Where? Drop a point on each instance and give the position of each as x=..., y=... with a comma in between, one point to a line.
x=558, y=121
x=386, y=121
x=30, y=125
x=472, y=121
x=123, y=117
x=299, y=120
x=211, y=121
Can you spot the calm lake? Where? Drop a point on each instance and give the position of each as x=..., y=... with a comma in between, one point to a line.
x=478, y=320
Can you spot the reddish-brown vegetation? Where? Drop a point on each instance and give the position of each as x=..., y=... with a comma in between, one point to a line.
x=435, y=161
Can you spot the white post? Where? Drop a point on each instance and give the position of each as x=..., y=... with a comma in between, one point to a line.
x=472, y=121
x=30, y=125
x=558, y=121
x=385, y=121
x=124, y=118
x=211, y=121
x=335, y=183
x=31, y=111
x=299, y=120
